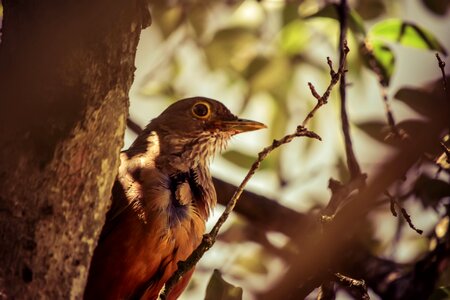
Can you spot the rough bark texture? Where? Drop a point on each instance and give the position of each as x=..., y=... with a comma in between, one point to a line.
x=65, y=71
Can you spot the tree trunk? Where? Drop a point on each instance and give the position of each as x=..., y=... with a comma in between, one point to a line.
x=65, y=71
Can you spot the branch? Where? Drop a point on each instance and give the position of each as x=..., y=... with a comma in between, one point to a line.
x=406, y=216
x=383, y=82
x=210, y=238
x=322, y=100
x=441, y=65
x=340, y=193
x=353, y=166
x=358, y=288
x=263, y=212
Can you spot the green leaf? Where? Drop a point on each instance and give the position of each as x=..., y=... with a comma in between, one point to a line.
x=231, y=47
x=294, y=37
x=268, y=75
x=405, y=33
x=219, y=289
x=385, y=59
x=355, y=21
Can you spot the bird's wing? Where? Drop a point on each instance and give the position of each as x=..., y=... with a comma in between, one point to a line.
x=127, y=192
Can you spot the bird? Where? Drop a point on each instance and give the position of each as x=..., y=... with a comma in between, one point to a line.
x=161, y=198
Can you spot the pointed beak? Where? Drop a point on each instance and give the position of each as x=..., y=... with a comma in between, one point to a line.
x=238, y=126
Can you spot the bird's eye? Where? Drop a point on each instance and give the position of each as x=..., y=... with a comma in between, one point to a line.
x=201, y=110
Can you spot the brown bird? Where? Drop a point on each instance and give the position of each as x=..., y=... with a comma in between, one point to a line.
x=161, y=198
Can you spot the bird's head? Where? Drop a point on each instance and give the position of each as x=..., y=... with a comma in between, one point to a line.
x=203, y=116
x=195, y=128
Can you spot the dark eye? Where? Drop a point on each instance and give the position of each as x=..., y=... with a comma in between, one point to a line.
x=201, y=110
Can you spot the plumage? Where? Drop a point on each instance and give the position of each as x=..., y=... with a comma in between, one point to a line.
x=162, y=196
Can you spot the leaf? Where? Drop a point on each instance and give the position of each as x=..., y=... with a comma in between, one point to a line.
x=430, y=191
x=412, y=126
x=385, y=59
x=438, y=7
x=290, y=12
x=231, y=47
x=294, y=37
x=355, y=21
x=237, y=232
x=167, y=18
x=381, y=131
x=197, y=16
x=405, y=33
x=370, y=9
x=375, y=129
x=219, y=289
x=419, y=100
x=269, y=75
x=252, y=262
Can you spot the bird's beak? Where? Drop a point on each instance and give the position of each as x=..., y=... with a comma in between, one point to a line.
x=239, y=125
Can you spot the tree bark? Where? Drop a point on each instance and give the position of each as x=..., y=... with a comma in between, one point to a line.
x=65, y=71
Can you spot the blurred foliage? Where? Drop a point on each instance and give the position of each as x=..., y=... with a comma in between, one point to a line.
x=441, y=293
x=265, y=48
x=219, y=289
x=430, y=190
x=439, y=7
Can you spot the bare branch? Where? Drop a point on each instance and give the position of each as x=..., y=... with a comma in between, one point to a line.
x=406, y=216
x=441, y=65
x=355, y=287
x=322, y=100
x=210, y=238
x=352, y=162
x=383, y=82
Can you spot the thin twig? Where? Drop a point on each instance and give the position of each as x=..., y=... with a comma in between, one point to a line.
x=394, y=202
x=383, y=82
x=357, y=287
x=210, y=238
x=322, y=100
x=353, y=166
x=441, y=65
x=340, y=194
